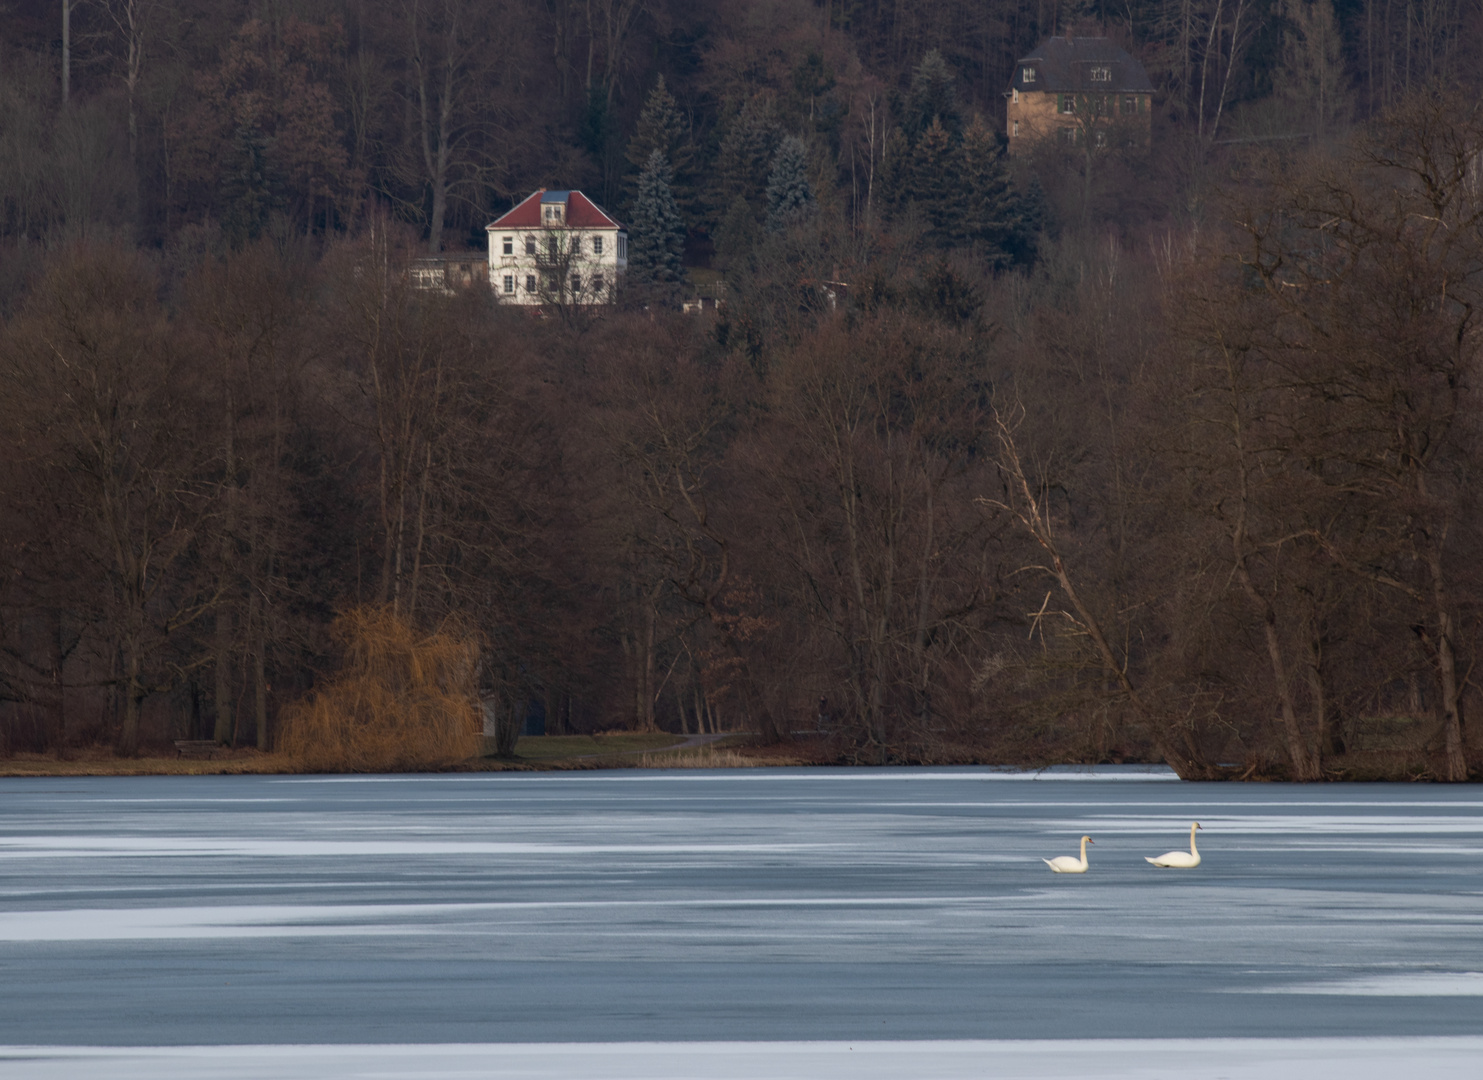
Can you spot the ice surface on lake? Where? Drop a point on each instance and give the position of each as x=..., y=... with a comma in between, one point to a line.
x=798, y=912
x=1104, y=1059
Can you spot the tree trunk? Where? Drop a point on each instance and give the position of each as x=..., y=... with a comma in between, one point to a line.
x=133, y=691
x=1449, y=684
x=260, y=688
x=67, y=50
x=223, y=730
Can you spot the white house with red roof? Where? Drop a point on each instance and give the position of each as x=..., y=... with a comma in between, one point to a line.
x=556, y=247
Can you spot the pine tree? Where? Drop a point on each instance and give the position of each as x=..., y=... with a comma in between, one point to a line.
x=933, y=97
x=662, y=127
x=789, y=197
x=247, y=187
x=982, y=210
x=893, y=178
x=1027, y=219
x=657, y=233
x=745, y=155
x=737, y=235
x=934, y=183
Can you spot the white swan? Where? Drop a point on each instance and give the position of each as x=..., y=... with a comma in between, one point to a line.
x=1183, y=860
x=1065, y=864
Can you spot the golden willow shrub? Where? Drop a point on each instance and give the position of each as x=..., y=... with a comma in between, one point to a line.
x=402, y=699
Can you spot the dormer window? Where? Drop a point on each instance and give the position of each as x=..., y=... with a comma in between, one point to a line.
x=1101, y=74
x=1027, y=75
x=553, y=214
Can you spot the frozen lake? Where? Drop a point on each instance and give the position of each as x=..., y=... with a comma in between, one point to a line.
x=683, y=913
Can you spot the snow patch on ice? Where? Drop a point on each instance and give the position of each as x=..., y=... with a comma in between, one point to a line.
x=1407, y=984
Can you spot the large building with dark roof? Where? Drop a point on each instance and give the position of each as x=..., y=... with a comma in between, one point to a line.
x=556, y=247
x=1075, y=89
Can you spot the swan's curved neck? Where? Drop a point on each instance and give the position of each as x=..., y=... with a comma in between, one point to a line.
x=1192, y=849
x=1083, y=849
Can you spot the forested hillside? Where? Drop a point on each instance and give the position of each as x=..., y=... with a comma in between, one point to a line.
x=1093, y=453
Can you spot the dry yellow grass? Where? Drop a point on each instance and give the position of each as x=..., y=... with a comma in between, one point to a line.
x=104, y=762
x=402, y=700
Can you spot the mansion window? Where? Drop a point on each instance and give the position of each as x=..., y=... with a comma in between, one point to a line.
x=509, y=245
x=597, y=245
x=509, y=284
x=530, y=245
x=622, y=247
x=597, y=284
x=530, y=283
x=1101, y=74
x=576, y=284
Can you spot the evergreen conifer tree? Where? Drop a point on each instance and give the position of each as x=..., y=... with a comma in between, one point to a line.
x=933, y=97
x=934, y=183
x=789, y=197
x=746, y=154
x=983, y=211
x=737, y=235
x=656, y=238
x=662, y=127
x=893, y=178
x=247, y=187
x=1027, y=219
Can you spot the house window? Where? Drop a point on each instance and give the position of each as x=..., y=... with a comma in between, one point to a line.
x=597, y=245
x=509, y=245
x=576, y=284
x=553, y=215
x=623, y=247
x=1015, y=130
x=1130, y=105
x=530, y=245
x=1027, y=75
x=1068, y=103
x=509, y=284
x=597, y=284
x=551, y=285
x=1101, y=138
x=1014, y=95
x=1101, y=74
x=551, y=244
x=1067, y=136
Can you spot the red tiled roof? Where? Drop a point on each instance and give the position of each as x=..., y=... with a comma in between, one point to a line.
x=581, y=213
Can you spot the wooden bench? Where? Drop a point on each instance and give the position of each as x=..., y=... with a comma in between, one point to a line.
x=198, y=748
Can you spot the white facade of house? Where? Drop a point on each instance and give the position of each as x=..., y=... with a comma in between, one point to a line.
x=556, y=247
